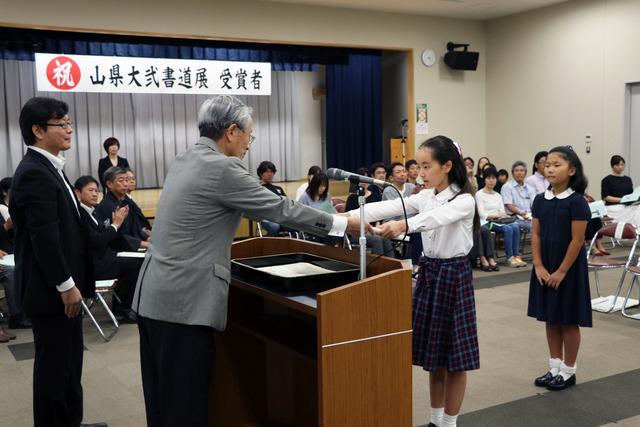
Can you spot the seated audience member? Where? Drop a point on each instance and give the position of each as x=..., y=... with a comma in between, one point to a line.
x=413, y=175
x=313, y=171
x=266, y=171
x=492, y=214
x=503, y=177
x=469, y=164
x=482, y=162
x=12, y=290
x=537, y=181
x=616, y=185
x=111, y=146
x=377, y=244
x=397, y=175
x=317, y=196
x=593, y=226
x=483, y=250
x=518, y=197
x=378, y=171
x=134, y=231
x=102, y=239
x=134, y=209
x=4, y=335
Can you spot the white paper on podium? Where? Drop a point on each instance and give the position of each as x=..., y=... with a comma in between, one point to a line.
x=296, y=269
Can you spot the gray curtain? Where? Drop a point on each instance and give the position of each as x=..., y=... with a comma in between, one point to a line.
x=152, y=129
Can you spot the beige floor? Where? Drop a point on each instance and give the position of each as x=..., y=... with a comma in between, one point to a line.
x=513, y=352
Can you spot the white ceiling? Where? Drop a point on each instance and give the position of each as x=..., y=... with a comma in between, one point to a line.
x=465, y=9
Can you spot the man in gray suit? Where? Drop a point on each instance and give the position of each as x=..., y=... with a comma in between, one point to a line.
x=181, y=294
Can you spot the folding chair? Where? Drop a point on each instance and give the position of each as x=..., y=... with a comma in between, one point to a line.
x=629, y=302
x=102, y=287
x=617, y=231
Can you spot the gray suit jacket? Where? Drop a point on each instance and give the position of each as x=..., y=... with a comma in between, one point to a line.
x=186, y=272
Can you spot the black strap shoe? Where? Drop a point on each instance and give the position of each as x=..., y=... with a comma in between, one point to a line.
x=544, y=380
x=94, y=425
x=558, y=383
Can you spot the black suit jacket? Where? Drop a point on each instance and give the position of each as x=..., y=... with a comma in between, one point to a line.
x=50, y=236
x=104, y=241
x=105, y=164
x=131, y=229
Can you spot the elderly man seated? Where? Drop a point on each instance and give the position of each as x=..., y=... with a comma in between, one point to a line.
x=518, y=196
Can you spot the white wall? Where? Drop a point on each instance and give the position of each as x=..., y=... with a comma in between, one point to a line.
x=558, y=74
x=457, y=100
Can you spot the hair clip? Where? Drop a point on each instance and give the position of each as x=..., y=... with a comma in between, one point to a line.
x=458, y=148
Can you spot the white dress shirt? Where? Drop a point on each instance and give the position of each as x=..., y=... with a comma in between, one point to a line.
x=446, y=225
x=538, y=182
x=58, y=164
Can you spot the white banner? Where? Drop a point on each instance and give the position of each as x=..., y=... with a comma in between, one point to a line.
x=121, y=74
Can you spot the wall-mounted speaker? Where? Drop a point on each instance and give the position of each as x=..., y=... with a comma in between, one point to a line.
x=461, y=59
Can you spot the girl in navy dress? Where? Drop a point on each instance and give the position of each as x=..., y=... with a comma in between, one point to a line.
x=559, y=288
x=445, y=340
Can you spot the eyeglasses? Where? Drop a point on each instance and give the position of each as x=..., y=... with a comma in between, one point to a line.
x=251, y=139
x=63, y=125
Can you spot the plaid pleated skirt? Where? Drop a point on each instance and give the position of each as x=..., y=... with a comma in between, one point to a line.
x=445, y=333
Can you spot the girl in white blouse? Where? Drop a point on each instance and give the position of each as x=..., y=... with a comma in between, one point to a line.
x=445, y=341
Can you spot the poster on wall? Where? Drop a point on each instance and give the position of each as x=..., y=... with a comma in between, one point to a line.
x=422, y=121
x=123, y=74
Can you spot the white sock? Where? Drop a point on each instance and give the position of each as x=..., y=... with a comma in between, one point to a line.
x=567, y=371
x=554, y=366
x=449, y=420
x=436, y=416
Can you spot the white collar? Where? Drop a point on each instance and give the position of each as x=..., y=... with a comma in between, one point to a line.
x=56, y=161
x=87, y=208
x=539, y=176
x=548, y=194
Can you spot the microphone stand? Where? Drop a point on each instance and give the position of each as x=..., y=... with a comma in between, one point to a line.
x=355, y=188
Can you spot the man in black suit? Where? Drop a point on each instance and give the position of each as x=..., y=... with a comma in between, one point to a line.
x=102, y=240
x=51, y=261
x=134, y=232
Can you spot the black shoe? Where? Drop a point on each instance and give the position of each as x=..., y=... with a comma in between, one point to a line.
x=544, y=380
x=19, y=323
x=558, y=383
x=485, y=267
x=94, y=425
x=127, y=316
x=495, y=267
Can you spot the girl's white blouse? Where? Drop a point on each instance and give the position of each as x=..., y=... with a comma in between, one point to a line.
x=446, y=225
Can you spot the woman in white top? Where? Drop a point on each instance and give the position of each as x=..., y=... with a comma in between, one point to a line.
x=445, y=341
x=313, y=171
x=538, y=181
x=491, y=211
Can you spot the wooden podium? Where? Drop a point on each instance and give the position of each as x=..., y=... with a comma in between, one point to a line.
x=336, y=358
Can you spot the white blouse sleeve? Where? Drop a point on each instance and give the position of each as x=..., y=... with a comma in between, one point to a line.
x=459, y=208
x=501, y=205
x=389, y=208
x=480, y=203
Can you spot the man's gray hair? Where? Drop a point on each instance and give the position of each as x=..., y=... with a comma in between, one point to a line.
x=218, y=113
x=111, y=173
x=518, y=163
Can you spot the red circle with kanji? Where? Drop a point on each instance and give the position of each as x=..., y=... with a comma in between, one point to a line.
x=63, y=73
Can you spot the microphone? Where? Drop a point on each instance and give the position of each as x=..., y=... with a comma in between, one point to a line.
x=340, y=175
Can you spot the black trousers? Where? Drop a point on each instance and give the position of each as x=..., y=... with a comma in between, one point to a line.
x=57, y=371
x=176, y=362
